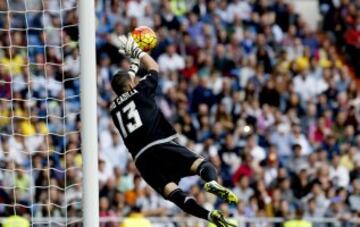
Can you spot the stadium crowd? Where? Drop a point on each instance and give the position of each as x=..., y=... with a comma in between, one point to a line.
x=246, y=83
x=342, y=23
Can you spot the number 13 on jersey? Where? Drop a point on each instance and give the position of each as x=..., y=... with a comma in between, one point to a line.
x=133, y=118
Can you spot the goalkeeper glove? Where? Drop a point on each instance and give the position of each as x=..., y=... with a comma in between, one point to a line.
x=129, y=47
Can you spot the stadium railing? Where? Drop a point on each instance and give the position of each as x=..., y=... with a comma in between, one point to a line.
x=190, y=221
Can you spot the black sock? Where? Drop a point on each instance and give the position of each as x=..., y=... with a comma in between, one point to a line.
x=207, y=171
x=188, y=204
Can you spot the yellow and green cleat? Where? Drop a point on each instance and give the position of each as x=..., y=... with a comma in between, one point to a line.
x=226, y=194
x=218, y=219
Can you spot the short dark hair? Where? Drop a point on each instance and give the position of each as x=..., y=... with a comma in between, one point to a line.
x=120, y=82
x=296, y=146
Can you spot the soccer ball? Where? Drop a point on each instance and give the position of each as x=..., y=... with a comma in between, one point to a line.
x=145, y=37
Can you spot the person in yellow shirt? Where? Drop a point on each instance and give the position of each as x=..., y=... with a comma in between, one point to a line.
x=15, y=221
x=298, y=221
x=22, y=181
x=136, y=219
x=178, y=7
x=302, y=63
x=348, y=160
x=4, y=116
x=12, y=62
x=32, y=127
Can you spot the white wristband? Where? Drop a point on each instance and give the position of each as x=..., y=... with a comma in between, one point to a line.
x=131, y=74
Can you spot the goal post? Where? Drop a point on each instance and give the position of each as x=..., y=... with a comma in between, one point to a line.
x=89, y=135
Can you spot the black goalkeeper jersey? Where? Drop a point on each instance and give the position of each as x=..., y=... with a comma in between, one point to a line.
x=139, y=119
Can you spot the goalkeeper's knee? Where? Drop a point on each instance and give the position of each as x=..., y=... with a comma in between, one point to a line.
x=207, y=171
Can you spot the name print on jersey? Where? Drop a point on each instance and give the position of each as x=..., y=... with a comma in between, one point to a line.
x=122, y=98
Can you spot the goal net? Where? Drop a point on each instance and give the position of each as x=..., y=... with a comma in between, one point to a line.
x=40, y=156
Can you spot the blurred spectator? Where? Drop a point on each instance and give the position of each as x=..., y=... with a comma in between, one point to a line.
x=171, y=61
x=136, y=219
x=15, y=221
x=298, y=221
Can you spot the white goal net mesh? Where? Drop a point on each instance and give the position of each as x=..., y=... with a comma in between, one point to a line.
x=40, y=157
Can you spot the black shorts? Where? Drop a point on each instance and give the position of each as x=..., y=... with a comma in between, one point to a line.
x=165, y=163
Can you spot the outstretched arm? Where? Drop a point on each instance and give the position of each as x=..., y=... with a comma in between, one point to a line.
x=150, y=81
x=149, y=63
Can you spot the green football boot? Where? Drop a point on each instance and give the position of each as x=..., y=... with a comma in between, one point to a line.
x=226, y=194
x=218, y=219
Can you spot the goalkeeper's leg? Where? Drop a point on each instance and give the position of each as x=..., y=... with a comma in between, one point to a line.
x=189, y=205
x=208, y=173
x=186, y=203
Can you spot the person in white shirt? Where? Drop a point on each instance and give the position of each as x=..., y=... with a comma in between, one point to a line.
x=299, y=138
x=17, y=148
x=136, y=8
x=243, y=191
x=224, y=12
x=170, y=60
x=105, y=171
x=339, y=174
x=275, y=28
x=308, y=86
x=247, y=71
x=282, y=140
x=304, y=85
x=116, y=152
x=72, y=63
x=256, y=151
x=53, y=86
x=241, y=8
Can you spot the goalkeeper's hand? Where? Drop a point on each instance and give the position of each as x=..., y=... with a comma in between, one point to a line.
x=129, y=47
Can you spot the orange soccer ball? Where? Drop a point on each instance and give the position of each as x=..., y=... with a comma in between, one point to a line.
x=145, y=37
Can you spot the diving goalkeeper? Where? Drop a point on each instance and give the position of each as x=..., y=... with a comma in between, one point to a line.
x=151, y=139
